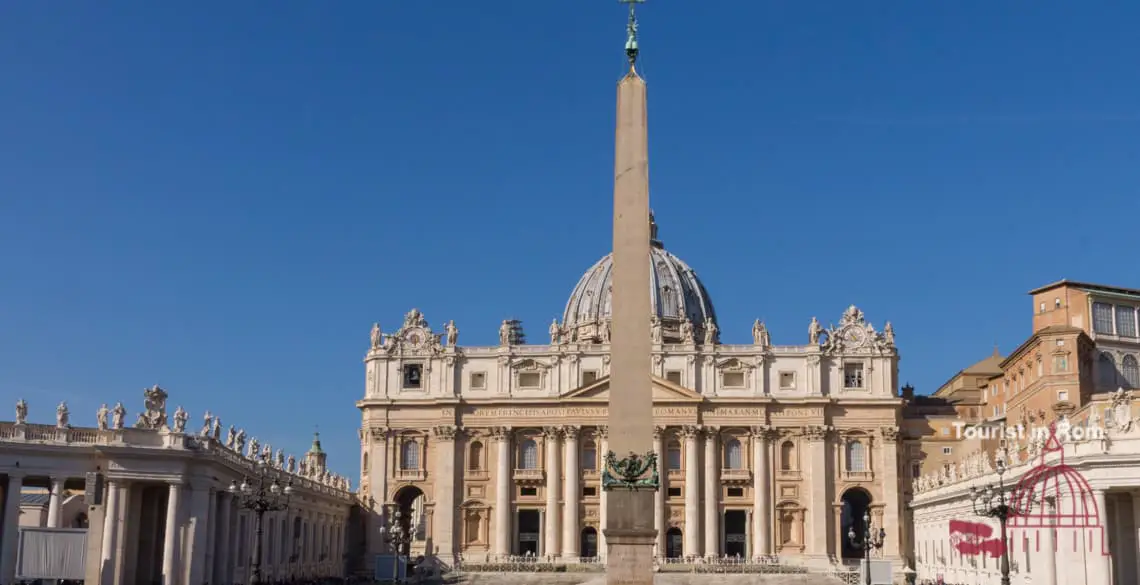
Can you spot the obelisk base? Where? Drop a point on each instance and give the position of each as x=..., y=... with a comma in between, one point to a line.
x=629, y=558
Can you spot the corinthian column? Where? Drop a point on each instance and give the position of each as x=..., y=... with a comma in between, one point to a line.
x=659, y=495
x=553, y=489
x=692, y=436
x=761, y=523
x=712, y=493
x=570, y=497
x=603, y=497
x=501, y=436
x=170, y=542
x=443, y=525
x=890, y=482
x=818, y=510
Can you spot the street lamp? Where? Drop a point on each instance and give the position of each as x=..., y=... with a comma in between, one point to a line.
x=871, y=541
x=995, y=503
x=399, y=536
x=264, y=495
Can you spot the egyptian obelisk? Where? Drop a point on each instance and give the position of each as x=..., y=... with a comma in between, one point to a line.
x=629, y=530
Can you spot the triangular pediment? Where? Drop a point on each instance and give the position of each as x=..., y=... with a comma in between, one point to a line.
x=663, y=391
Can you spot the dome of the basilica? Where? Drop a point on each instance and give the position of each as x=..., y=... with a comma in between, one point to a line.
x=676, y=295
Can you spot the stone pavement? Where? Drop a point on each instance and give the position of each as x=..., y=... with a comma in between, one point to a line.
x=659, y=579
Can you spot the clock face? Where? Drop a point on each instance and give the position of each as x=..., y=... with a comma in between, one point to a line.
x=855, y=336
x=415, y=337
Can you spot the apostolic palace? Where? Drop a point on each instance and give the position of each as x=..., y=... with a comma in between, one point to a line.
x=764, y=449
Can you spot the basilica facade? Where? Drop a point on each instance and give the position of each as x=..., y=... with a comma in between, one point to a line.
x=764, y=450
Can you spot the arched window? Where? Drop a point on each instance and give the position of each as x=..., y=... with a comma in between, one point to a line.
x=733, y=458
x=475, y=456
x=856, y=456
x=787, y=456
x=364, y=462
x=1130, y=371
x=529, y=455
x=589, y=455
x=1105, y=372
x=673, y=455
x=410, y=455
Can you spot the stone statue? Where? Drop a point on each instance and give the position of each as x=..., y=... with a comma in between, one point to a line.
x=292, y=464
x=1093, y=421
x=414, y=318
x=254, y=449
x=505, y=333
x=101, y=417
x=376, y=336
x=604, y=331
x=656, y=331
x=452, y=334
x=154, y=405
x=217, y=428
x=814, y=331
x=21, y=412
x=207, y=424
x=712, y=334
x=302, y=469
x=889, y=334
x=760, y=334
x=687, y=334
x=62, y=416
x=555, y=333
x=180, y=419
x=239, y=441
x=267, y=453
x=1122, y=410
x=231, y=437
x=279, y=461
x=118, y=416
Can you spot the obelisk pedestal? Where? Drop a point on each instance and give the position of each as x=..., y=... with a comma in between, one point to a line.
x=629, y=530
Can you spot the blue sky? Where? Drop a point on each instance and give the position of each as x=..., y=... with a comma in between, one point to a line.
x=222, y=197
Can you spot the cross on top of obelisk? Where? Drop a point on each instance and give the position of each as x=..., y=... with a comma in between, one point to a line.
x=631, y=31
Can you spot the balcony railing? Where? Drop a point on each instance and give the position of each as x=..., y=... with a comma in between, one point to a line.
x=858, y=475
x=411, y=474
x=529, y=475
x=788, y=474
x=735, y=475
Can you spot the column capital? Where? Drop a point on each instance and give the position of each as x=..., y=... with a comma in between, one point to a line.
x=500, y=433
x=445, y=432
x=889, y=433
x=658, y=432
x=571, y=432
x=691, y=431
x=711, y=432
x=379, y=434
x=602, y=432
x=552, y=433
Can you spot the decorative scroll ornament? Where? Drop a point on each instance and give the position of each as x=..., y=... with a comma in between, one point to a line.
x=635, y=472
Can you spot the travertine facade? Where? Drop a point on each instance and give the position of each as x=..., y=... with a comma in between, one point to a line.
x=765, y=449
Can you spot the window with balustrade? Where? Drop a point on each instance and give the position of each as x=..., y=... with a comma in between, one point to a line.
x=788, y=456
x=528, y=454
x=733, y=454
x=475, y=456
x=856, y=456
x=589, y=455
x=673, y=455
x=410, y=455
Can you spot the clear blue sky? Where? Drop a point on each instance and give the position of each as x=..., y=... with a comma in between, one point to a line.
x=222, y=197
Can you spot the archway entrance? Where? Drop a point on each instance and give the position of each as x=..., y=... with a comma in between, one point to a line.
x=409, y=502
x=856, y=503
x=673, y=543
x=530, y=526
x=735, y=533
x=589, y=544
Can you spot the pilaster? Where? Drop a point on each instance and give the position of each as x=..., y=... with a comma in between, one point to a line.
x=444, y=487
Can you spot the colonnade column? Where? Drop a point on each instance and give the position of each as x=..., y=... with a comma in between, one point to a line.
x=760, y=521
x=199, y=524
x=110, y=520
x=603, y=497
x=553, y=489
x=571, y=496
x=890, y=467
x=222, y=559
x=712, y=493
x=659, y=495
x=1048, y=560
x=502, y=438
x=55, y=502
x=8, y=539
x=170, y=543
x=692, y=545
x=443, y=525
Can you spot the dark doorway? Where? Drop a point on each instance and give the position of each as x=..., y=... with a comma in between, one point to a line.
x=674, y=548
x=409, y=501
x=856, y=503
x=736, y=533
x=529, y=528
x=589, y=545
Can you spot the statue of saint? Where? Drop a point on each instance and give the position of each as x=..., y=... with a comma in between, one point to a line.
x=452, y=334
x=814, y=331
x=62, y=416
x=101, y=417
x=254, y=449
x=505, y=333
x=376, y=336
x=657, y=333
x=180, y=419
x=555, y=333
x=604, y=331
x=21, y=412
x=687, y=335
x=207, y=424
x=118, y=416
x=760, y=334
x=889, y=334
x=712, y=334
x=231, y=436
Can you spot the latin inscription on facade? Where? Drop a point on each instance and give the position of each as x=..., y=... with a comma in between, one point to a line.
x=799, y=412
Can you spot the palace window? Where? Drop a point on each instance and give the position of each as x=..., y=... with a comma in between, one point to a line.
x=674, y=492
x=478, y=380
x=589, y=455
x=1062, y=396
x=1102, y=318
x=674, y=376
x=734, y=492
x=1130, y=371
x=413, y=374
x=856, y=456
x=732, y=455
x=475, y=456
x=788, y=456
x=916, y=469
x=530, y=380
x=1106, y=371
x=589, y=491
x=528, y=456
x=733, y=379
x=673, y=455
x=1060, y=363
x=1125, y=321
x=589, y=377
x=787, y=380
x=528, y=491
x=410, y=455
x=852, y=375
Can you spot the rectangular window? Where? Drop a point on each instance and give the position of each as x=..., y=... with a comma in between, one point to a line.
x=1062, y=396
x=852, y=375
x=478, y=380
x=589, y=491
x=1102, y=318
x=734, y=492
x=916, y=470
x=674, y=376
x=947, y=450
x=945, y=431
x=787, y=380
x=733, y=379
x=674, y=492
x=528, y=491
x=589, y=377
x=530, y=380
x=1125, y=321
x=1060, y=363
x=413, y=375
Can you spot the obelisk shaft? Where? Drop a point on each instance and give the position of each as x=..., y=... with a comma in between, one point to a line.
x=629, y=522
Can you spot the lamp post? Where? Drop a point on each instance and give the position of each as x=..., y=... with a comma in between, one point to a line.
x=869, y=542
x=264, y=494
x=996, y=503
x=398, y=535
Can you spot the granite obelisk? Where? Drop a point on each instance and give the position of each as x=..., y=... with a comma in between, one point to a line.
x=629, y=529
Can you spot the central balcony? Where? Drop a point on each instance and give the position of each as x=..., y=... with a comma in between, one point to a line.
x=530, y=476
